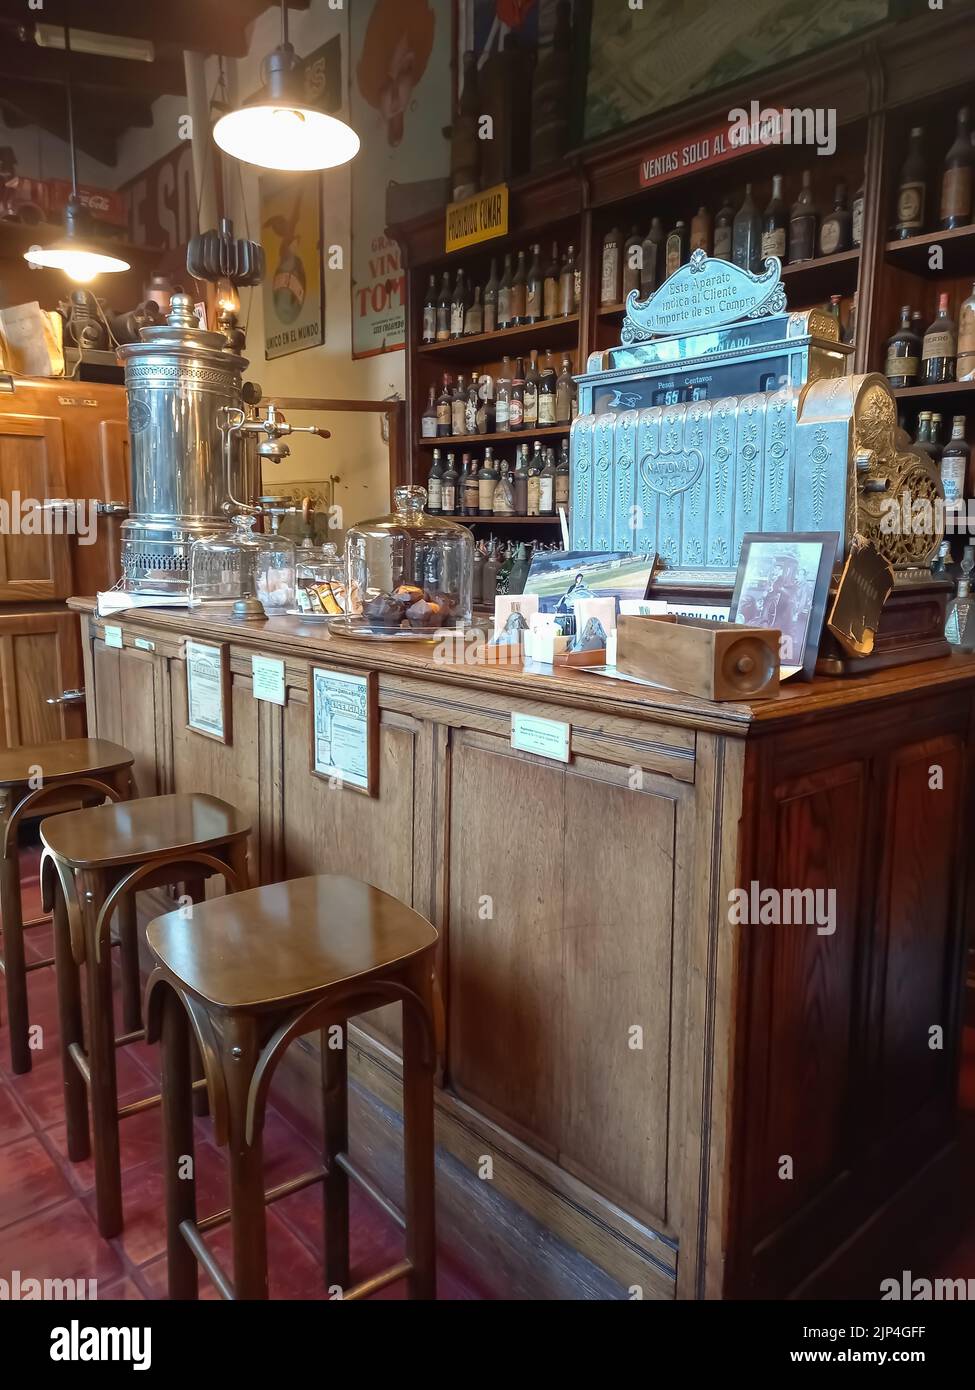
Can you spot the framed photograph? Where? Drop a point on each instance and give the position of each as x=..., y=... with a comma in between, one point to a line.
x=783, y=583
x=561, y=578
x=344, y=728
x=208, y=699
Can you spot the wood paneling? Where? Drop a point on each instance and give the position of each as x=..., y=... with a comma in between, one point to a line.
x=31, y=468
x=39, y=660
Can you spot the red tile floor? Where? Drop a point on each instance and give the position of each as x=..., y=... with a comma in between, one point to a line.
x=47, y=1226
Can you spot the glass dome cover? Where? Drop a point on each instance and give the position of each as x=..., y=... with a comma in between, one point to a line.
x=241, y=565
x=410, y=570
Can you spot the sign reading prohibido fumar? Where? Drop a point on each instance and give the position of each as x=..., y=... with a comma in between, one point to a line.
x=478, y=218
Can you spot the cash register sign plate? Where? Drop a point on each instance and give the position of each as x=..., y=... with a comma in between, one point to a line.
x=345, y=729
x=705, y=293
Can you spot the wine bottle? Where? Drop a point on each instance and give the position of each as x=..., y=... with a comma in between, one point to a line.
x=546, y=395
x=444, y=408
x=505, y=317
x=965, y=365
x=956, y=182
x=550, y=287
x=723, y=229
x=519, y=292
x=652, y=249
x=458, y=408
x=746, y=237
x=491, y=300
x=474, y=318
x=940, y=347
x=443, y=309
x=535, y=289
x=532, y=382
x=701, y=231
x=803, y=222
x=458, y=307
x=912, y=188
x=903, y=360
x=774, y=222
x=516, y=409
x=430, y=312
x=836, y=233
x=611, y=283
x=566, y=288
x=676, y=252
x=434, y=485
x=448, y=489
x=428, y=421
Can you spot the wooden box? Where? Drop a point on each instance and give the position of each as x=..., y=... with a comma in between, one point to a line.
x=699, y=656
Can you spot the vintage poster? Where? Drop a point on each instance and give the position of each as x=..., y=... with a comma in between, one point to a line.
x=293, y=288
x=344, y=725
x=399, y=105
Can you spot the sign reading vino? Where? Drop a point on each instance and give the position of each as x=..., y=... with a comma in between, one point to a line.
x=479, y=218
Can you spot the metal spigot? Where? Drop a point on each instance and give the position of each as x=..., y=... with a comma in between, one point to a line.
x=234, y=421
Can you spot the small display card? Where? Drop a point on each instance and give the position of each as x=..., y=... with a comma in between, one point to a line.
x=344, y=728
x=549, y=738
x=207, y=689
x=267, y=673
x=113, y=636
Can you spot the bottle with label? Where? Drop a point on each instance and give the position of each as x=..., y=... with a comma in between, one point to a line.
x=445, y=403
x=960, y=613
x=469, y=487
x=474, y=318
x=490, y=299
x=856, y=218
x=534, y=475
x=516, y=407
x=471, y=406
x=803, y=223
x=502, y=399
x=443, y=309
x=429, y=334
x=485, y=403
x=652, y=250
x=458, y=307
x=965, y=366
x=504, y=492
x=521, y=481
x=565, y=288
x=935, y=447
x=448, y=489
x=956, y=182
x=535, y=290
x=576, y=265
x=940, y=347
x=428, y=422
x=562, y=478
x=458, y=408
x=550, y=285
x=519, y=292
x=836, y=233
x=632, y=259
x=487, y=481
x=611, y=282
x=435, y=485
x=489, y=577
x=774, y=222
x=676, y=251
x=547, y=395
x=546, y=486
x=746, y=235
x=505, y=319
x=911, y=188
x=923, y=440
x=903, y=359
x=701, y=231
x=723, y=231
x=532, y=383
x=955, y=462
x=565, y=392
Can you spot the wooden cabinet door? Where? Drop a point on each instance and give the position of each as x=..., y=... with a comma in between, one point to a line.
x=40, y=660
x=132, y=703
x=32, y=567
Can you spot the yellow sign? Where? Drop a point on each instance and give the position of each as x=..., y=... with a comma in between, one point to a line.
x=479, y=218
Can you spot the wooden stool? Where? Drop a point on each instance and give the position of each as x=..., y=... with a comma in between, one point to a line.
x=94, y=862
x=90, y=769
x=258, y=970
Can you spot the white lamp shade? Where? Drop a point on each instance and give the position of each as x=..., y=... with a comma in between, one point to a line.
x=280, y=135
x=80, y=263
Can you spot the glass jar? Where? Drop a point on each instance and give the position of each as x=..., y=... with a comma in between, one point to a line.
x=274, y=578
x=320, y=581
x=243, y=565
x=410, y=569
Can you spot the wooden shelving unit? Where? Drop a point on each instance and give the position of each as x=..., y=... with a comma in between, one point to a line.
x=914, y=253
x=553, y=333
x=466, y=441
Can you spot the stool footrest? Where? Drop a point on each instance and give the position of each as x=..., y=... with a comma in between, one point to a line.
x=344, y=1162
x=38, y=965
x=377, y=1282
x=124, y=1039
x=209, y=1261
x=44, y=920
x=273, y=1194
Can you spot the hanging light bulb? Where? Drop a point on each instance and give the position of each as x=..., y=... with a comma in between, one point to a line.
x=280, y=130
x=76, y=254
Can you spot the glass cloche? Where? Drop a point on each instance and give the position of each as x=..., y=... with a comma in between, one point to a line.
x=409, y=570
x=320, y=584
x=243, y=564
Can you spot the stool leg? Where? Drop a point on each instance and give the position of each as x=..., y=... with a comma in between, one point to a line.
x=419, y=1063
x=128, y=931
x=71, y=1027
x=247, y=1217
x=14, y=965
x=101, y=1056
x=178, y=1160
x=197, y=890
x=335, y=1189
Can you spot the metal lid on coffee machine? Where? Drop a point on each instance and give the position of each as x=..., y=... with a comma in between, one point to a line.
x=182, y=332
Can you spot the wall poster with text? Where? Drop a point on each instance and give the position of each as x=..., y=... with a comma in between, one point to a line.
x=293, y=288
x=399, y=105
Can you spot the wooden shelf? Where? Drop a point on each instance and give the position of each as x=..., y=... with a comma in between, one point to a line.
x=553, y=333
x=943, y=388
x=506, y=520
x=448, y=441
x=957, y=247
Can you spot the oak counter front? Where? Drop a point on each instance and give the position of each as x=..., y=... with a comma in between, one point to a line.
x=638, y=1090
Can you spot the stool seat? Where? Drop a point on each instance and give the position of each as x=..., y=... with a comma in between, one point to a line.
x=72, y=757
x=136, y=831
x=287, y=940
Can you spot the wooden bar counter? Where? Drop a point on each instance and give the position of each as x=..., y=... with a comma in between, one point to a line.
x=639, y=1095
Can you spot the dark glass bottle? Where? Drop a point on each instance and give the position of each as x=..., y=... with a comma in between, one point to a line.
x=443, y=309
x=519, y=292
x=490, y=299
x=912, y=188
x=487, y=480
x=429, y=334
x=903, y=360
x=535, y=288
x=774, y=222
x=677, y=248
x=546, y=486
x=803, y=222
x=448, y=489
x=562, y=478
x=469, y=487
x=435, y=485
x=550, y=285
x=940, y=347
x=956, y=182
x=723, y=230
x=516, y=409
x=521, y=481
x=532, y=383
x=445, y=403
x=546, y=394
x=505, y=318
x=746, y=240
x=652, y=258
x=936, y=447
x=836, y=233
x=955, y=462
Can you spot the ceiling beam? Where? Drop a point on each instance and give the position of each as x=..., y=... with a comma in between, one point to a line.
x=111, y=75
x=206, y=26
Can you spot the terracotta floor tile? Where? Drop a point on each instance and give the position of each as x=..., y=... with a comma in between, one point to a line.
x=143, y=1202
x=126, y=1291
x=61, y=1242
x=14, y=1124
x=140, y=1140
x=30, y=1180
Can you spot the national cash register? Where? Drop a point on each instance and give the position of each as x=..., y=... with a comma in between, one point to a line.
x=720, y=414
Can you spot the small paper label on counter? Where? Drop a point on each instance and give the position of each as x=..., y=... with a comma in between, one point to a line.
x=549, y=738
x=145, y=645
x=113, y=636
x=267, y=674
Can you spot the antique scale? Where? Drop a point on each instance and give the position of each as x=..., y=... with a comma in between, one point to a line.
x=720, y=414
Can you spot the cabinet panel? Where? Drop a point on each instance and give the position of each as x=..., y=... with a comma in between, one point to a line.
x=39, y=660
x=127, y=694
x=32, y=566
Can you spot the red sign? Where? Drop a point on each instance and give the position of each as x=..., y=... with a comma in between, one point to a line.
x=104, y=204
x=688, y=153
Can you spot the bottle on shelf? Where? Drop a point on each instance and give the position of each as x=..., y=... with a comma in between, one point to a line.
x=550, y=285
x=724, y=222
x=923, y=438
x=469, y=486
x=518, y=572
x=471, y=406
x=936, y=447
x=746, y=237
x=429, y=334
x=959, y=626
x=611, y=282
x=903, y=359
x=474, y=317
x=803, y=223
x=505, y=318
x=445, y=403
x=965, y=365
x=487, y=481
x=490, y=299
x=458, y=307
x=566, y=288
x=516, y=408
x=535, y=288
x=458, y=408
x=940, y=347
x=565, y=394
x=836, y=233
x=519, y=292
x=435, y=485
x=652, y=250
x=955, y=460
x=562, y=478
x=546, y=485
x=833, y=308
x=532, y=383
x=547, y=392
x=856, y=217
x=502, y=399
x=701, y=231
x=632, y=259
x=774, y=222
x=849, y=334
x=485, y=403
x=912, y=188
x=449, y=503
x=576, y=280
x=534, y=475
x=504, y=492
x=676, y=251
x=477, y=576
x=489, y=579
x=520, y=481
x=443, y=309
x=428, y=421
x=956, y=181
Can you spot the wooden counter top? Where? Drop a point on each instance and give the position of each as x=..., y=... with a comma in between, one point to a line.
x=796, y=701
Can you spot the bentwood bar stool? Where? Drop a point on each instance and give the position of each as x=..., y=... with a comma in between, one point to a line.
x=87, y=770
x=259, y=969
x=94, y=862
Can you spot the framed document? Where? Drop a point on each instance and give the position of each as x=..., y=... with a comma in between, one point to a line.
x=345, y=728
x=208, y=701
